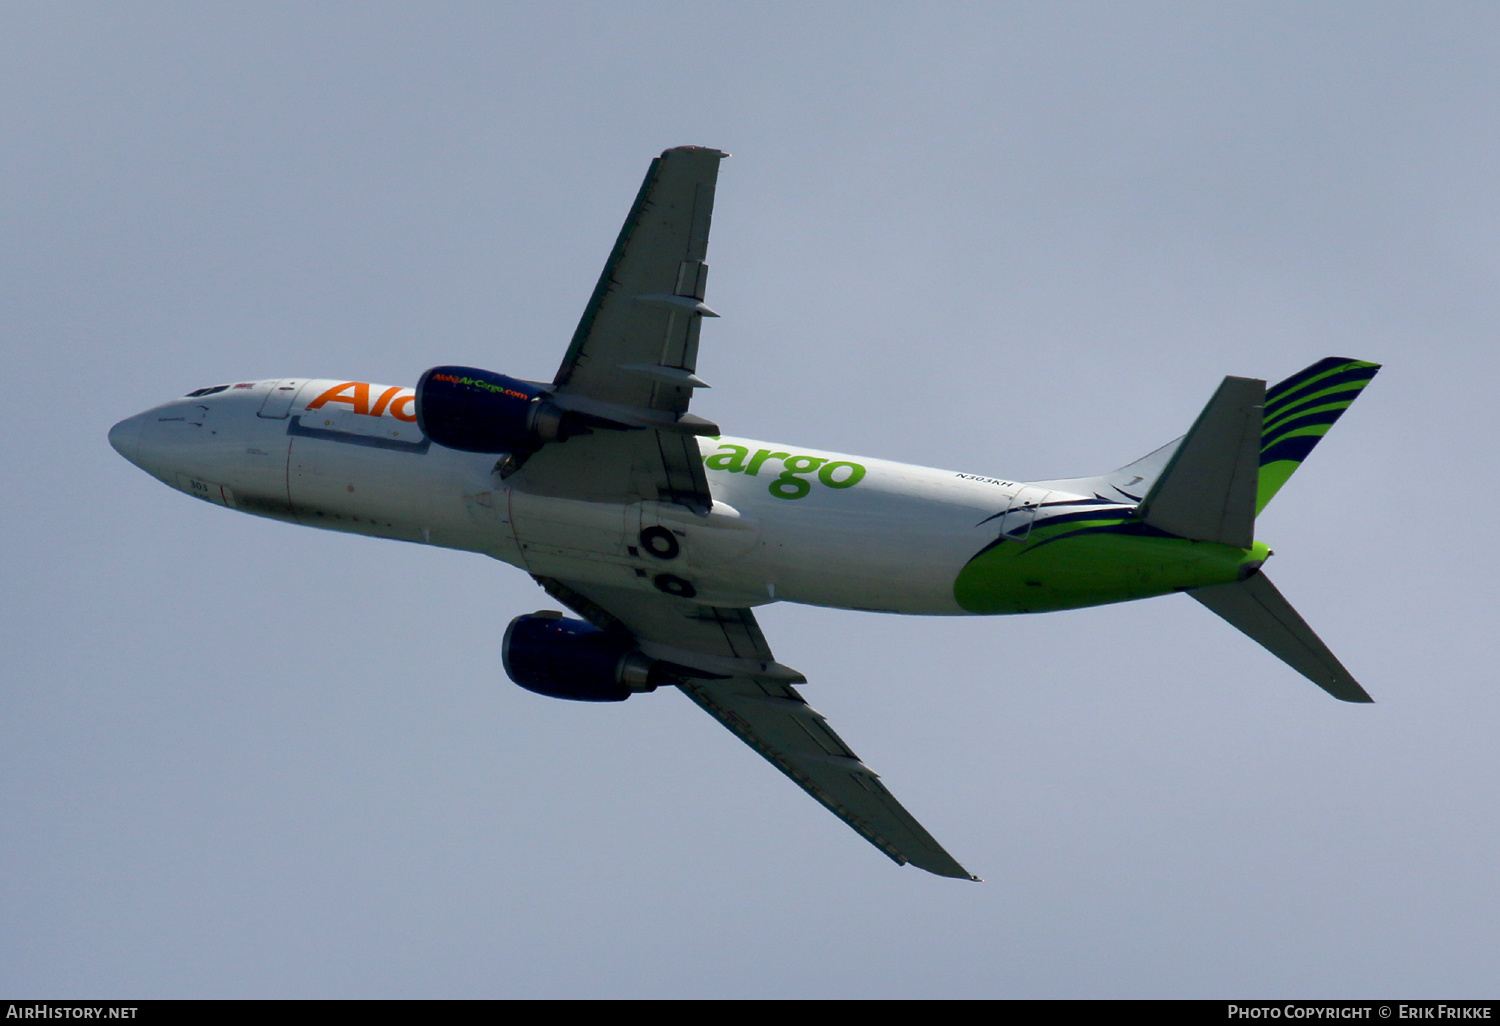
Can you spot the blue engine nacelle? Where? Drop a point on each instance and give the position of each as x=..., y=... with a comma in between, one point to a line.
x=564, y=658
x=480, y=411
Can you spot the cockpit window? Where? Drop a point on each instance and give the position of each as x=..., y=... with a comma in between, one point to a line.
x=205, y=391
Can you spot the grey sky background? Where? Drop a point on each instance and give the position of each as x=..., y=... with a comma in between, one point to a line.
x=246, y=759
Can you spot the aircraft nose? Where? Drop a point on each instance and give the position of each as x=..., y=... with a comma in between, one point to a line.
x=126, y=437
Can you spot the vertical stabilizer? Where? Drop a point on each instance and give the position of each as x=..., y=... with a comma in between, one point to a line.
x=1207, y=491
x=1296, y=414
x=1258, y=609
x=1299, y=412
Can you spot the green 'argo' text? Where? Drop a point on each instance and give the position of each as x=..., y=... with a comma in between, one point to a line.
x=789, y=485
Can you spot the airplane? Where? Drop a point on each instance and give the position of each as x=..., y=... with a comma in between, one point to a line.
x=661, y=534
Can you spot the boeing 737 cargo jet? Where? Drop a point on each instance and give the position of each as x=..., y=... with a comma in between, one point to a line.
x=661, y=533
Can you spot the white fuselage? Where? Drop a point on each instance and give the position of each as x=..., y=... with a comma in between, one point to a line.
x=788, y=523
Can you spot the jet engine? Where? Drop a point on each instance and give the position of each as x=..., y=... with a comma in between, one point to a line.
x=476, y=410
x=560, y=657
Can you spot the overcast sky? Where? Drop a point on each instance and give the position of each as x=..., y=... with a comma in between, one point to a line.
x=246, y=759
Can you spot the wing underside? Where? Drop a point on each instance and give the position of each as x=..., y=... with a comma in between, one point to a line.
x=634, y=355
x=721, y=661
x=794, y=737
x=637, y=341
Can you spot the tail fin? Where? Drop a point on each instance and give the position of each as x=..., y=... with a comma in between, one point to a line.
x=1212, y=483
x=1299, y=412
x=1258, y=609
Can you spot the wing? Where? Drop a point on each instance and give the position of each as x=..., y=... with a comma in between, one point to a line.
x=633, y=362
x=634, y=356
x=637, y=342
x=720, y=660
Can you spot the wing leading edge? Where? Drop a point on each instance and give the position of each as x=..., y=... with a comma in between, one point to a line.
x=722, y=662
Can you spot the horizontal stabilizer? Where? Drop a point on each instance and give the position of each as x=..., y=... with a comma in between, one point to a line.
x=1207, y=491
x=1258, y=609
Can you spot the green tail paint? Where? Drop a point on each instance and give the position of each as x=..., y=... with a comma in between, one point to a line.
x=1089, y=563
x=1299, y=412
